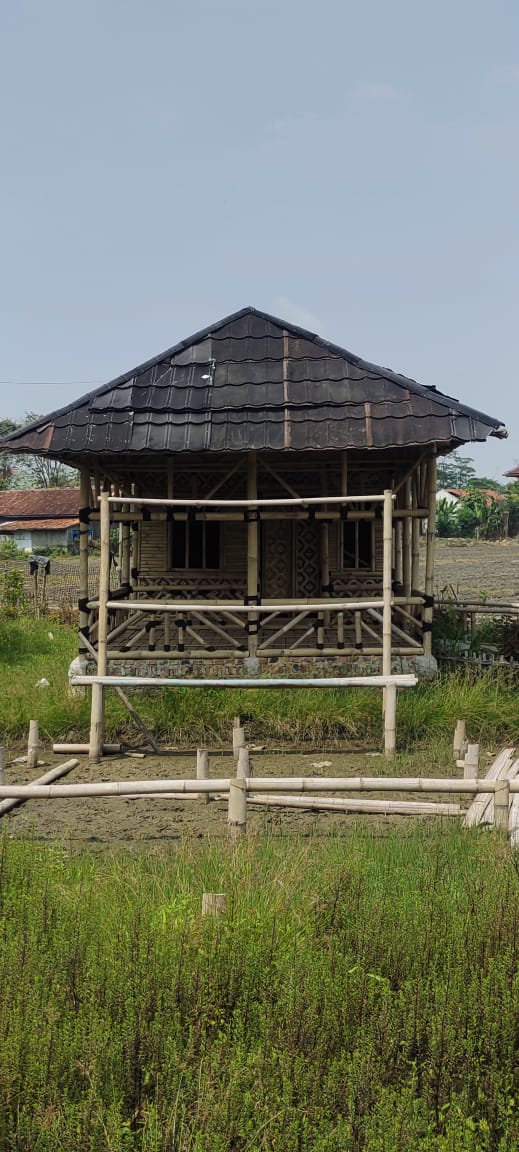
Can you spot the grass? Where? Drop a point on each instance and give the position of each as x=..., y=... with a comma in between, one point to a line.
x=35, y=649
x=360, y=994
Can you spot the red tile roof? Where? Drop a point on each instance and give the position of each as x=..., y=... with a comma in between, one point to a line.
x=36, y=525
x=32, y=503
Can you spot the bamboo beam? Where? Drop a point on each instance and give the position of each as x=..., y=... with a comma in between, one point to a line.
x=221, y=606
x=402, y=680
x=350, y=804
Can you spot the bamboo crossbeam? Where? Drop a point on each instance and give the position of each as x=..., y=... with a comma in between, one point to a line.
x=400, y=680
x=221, y=605
x=249, y=502
x=253, y=784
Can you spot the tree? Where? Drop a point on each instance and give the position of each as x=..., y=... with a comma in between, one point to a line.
x=32, y=471
x=446, y=519
x=455, y=471
x=7, y=463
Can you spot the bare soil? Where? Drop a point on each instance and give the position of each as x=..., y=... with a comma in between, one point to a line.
x=471, y=569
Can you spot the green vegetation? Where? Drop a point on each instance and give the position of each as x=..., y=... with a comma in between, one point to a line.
x=360, y=995
x=35, y=649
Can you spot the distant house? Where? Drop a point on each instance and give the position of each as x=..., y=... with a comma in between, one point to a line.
x=453, y=496
x=38, y=518
x=513, y=473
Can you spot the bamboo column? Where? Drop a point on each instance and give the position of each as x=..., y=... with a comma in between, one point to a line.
x=252, y=551
x=84, y=508
x=407, y=558
x=429, y=556
x=97, y=713
x=387, y=582
x=415, y=535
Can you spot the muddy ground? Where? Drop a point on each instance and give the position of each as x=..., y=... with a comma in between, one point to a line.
x=468, y=569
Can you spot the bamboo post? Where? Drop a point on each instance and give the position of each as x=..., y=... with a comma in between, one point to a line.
x=408, y=522
x=390, y=720
x=460, y=738
x=238, y=737
x=33, y=744
x=213, y=903
x=429, y=556
x=202, y=771
x=471, y=762
x=387, y=589
x=84, y=502
x=97, y=713
x=242, y=769
x=237, y=812
x=2, y=765
x=502, y=804
x=252, y=552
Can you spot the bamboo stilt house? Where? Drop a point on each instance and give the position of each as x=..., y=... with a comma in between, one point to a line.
x=267, y=492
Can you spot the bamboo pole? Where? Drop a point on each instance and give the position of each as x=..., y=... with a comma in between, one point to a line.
x=33, y=744
x=202, y=770
x=128, y=705
x=407, y=543
x=429, y=556
x=390, y=720
x=238, y=737
x=260, y=784
x=54, y=774
x=97, y=709
x=401, y=679
x=77, y=749
x=221, y=606
x=471, y=761
x=242, y=769
x=460, y=737
x=387, y=583
x=84, y=502
x=378, y=807
x=237, y=812
x=252, y=552
x=502, y=804
x=251, y=501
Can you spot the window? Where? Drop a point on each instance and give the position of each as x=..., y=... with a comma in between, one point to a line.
x=195, y=544
x=357, y=544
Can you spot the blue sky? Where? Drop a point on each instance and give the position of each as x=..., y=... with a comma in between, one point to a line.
x=352, y=167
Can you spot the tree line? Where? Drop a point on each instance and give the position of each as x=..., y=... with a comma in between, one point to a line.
x=487, y=510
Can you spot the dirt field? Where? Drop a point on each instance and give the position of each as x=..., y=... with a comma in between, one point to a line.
x=466, y=569
x=470, y=568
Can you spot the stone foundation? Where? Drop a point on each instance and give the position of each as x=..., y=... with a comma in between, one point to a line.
x=245, y=668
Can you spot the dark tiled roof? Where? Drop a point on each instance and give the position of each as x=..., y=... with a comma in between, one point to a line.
x=252, y=381
x=40, y=503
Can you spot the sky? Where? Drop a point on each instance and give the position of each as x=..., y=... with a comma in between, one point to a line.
x=351, y=166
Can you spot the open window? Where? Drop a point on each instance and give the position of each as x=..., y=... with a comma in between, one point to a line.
x=357, y=545
x=195, y=544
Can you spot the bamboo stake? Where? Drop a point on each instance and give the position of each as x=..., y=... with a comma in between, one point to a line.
x=238, y=737
x=242, y=770
x=33, y=744
x=460, y=738
x=471, y=762
x=202, y=770
x=390, y=720
x=502, y=804
x=54, y=774
x=213, y=903
x=237, y=812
